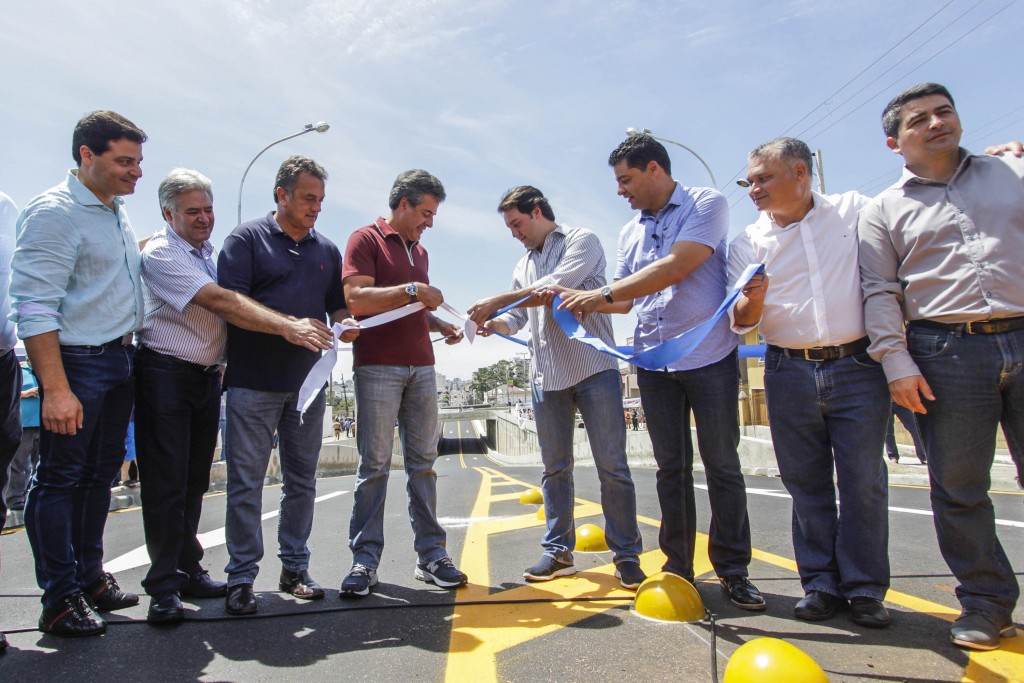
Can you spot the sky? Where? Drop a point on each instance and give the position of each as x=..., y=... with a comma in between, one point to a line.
x=486, y=96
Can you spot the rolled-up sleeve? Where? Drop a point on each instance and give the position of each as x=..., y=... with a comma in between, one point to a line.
x=47, y=249
x=883, y=295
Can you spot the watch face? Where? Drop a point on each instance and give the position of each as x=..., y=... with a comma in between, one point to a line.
x=411, y=289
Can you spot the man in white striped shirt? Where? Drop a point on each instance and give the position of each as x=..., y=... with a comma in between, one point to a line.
x=567, y=375
x=177, y=404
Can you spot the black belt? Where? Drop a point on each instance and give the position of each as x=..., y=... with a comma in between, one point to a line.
x=824, y=352
x=207, y=369
x=125, y=340
x=997, y=326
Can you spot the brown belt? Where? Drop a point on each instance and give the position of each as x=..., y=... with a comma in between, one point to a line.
x=824, y=352
x=997, y=326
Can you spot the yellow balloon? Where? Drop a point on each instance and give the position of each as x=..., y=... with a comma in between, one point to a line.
x=590, y=539
x=771, y=659
x=540, y=513
x=668, y=597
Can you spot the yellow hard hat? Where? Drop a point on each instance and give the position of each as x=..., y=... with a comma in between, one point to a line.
x=771, y=659
x=540, y=512
x=590, y=539
x=668, y=597
x=531, y=497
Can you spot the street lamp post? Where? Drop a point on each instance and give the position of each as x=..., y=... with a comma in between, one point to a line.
x=647, y=131
x=320, y=127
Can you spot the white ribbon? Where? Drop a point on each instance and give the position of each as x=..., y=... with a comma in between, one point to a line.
x=320, y=373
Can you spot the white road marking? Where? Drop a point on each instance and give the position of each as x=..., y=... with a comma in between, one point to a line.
x=910, y=511
x=211, y=539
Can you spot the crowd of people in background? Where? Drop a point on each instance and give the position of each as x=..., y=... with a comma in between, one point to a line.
x=908, y=303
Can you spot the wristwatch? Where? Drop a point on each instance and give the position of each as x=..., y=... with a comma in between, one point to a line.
x=606, y=292
x=412, y=290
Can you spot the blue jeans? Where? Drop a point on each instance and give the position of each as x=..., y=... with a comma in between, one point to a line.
x=830, y=416
x=176, y=413
x=599, y=398
x=907, y=417
x=252, y=418
x=710, y=392
x=978, y=383
x=67, y=504
x=408, y=394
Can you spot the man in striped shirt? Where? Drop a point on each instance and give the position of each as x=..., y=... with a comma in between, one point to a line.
x=177, y=406
x=568, y=375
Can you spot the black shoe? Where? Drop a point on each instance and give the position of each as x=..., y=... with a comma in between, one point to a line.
x=200, y=585
x=106, y=596
x=240, y=599
x=165, y=609
x=72, y=617
x=818, y=606
x=742, y=593
x=977, y=631
x=300, y=584
x=629, y=574
x=3, y=644
x=869, y=612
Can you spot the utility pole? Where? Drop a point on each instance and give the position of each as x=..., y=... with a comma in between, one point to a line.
x=821, y=171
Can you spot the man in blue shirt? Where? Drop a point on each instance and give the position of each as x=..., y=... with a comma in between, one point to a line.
x=77, y=300
x=672, y=267
x=281, y=262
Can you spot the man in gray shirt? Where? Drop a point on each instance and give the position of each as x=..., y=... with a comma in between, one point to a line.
x=566, y=375
x=942, y=249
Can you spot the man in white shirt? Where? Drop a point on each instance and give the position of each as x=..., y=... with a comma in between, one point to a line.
x=828, y=401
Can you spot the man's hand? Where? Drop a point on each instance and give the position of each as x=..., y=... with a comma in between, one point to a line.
x=430, y=297
x=755, y=290
x=309, y=333
x=349, y=335
x=908, y=392
x=31, y=393
x=1016, y=148
x=492, y=326
x=482, y=310
x=451, y=333
x=582, y=303
x=61, y=412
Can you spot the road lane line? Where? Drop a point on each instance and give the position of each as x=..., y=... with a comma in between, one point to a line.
x=139, y=557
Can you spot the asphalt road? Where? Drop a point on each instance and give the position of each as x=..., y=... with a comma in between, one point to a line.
x=500, y=628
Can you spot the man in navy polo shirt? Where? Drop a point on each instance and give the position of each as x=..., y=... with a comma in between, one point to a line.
x=279, y=261
x=386, y=268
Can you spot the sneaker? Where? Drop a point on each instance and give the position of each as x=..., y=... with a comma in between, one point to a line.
x=442, y=573
x=359, y=581
x=629, y=574
x=72, y=617
x=106, y=596
x=549, y=568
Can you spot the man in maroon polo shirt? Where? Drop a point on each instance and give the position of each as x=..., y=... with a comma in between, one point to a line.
x=385, y=267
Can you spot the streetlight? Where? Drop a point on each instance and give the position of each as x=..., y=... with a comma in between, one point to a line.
x=647, y=131
x=320, y=127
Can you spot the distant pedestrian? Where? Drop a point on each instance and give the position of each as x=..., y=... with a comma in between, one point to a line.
x=27, y=457
x=337, y=428
x=634, y=418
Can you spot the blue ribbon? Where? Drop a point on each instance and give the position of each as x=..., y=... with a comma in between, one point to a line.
x=667, y=352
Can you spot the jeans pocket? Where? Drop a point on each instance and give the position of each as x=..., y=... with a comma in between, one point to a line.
x=865, y=361
x=772, y=361
x=924, y=344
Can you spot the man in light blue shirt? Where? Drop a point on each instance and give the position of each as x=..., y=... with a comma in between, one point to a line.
x=672, y=271
x=77, y=300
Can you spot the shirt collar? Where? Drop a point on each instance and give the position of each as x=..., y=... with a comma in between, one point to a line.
x=385, y=230
x=908, y=175
x=83, y=195
x=557, y=231
x=678, y=194
x=205, y=251
x=275, y=227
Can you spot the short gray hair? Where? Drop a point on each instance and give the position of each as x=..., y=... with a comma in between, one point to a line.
x=178, y=182
x=288, y=174
x=789, y=150
x=412, y=185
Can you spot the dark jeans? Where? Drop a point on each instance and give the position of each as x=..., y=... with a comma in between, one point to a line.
x=909, y=420
x=10, y=422
x=70, y=495
x=667, y=399
x=978, y=382
x=21, y=469
x=829, y=417
x=177, y=410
